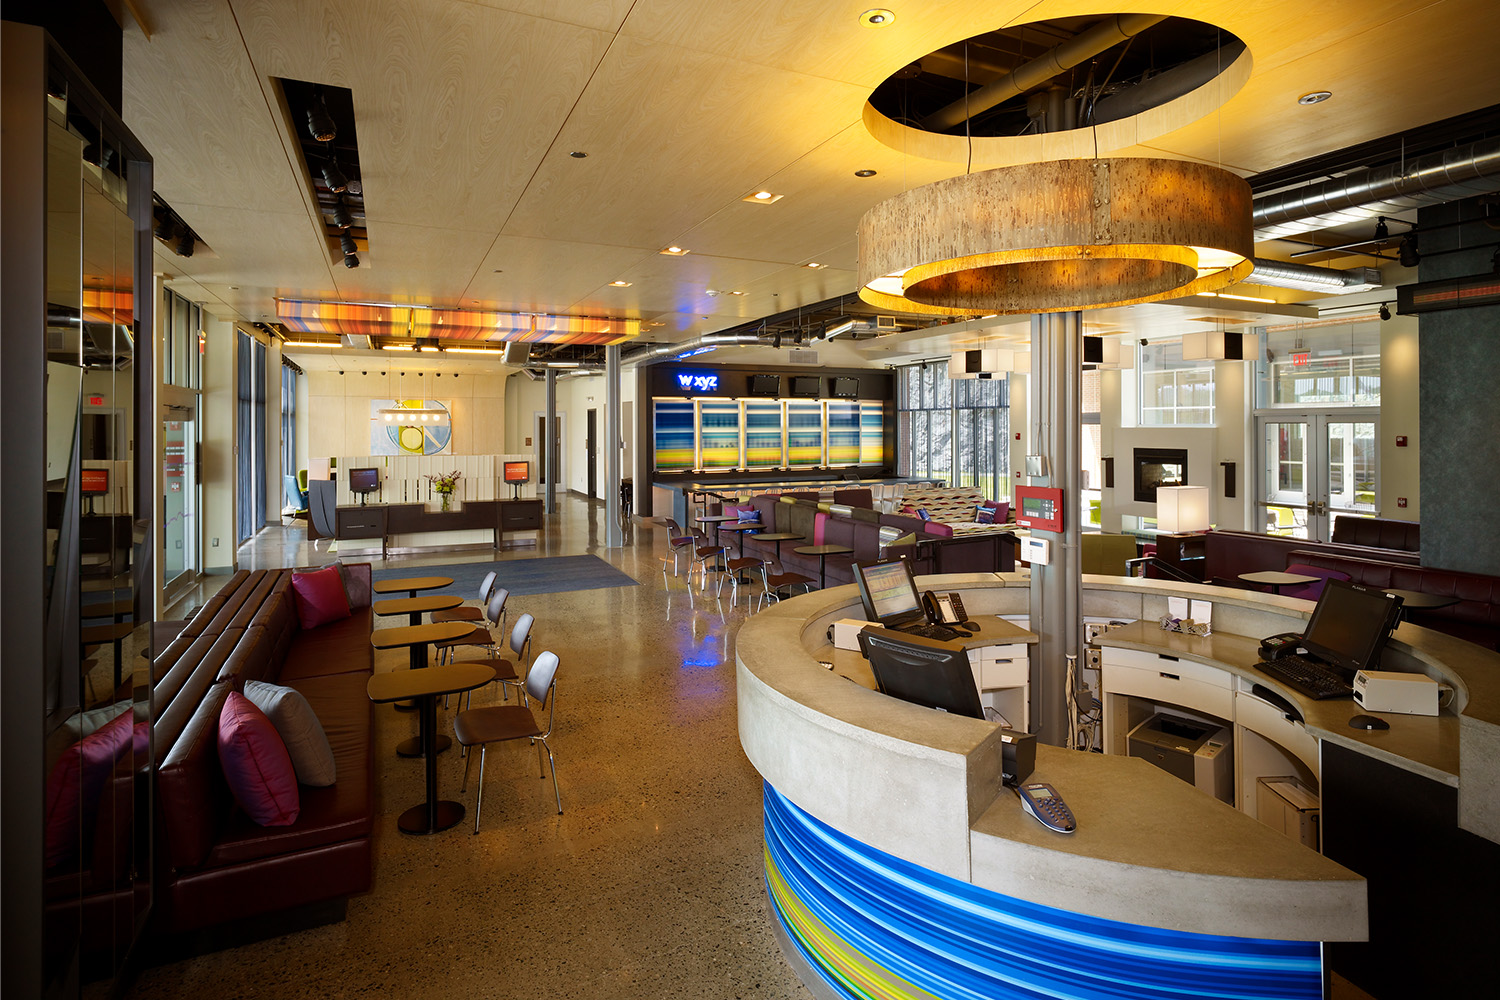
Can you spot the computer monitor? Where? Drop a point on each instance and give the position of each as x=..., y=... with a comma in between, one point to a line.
x=517, y=472
x=364, y=482
x=925, y=672
x=1350, y=625
x=93, y=482
x=889, y=593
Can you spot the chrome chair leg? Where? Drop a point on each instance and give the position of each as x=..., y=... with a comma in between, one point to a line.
x=552, y=762
x=479, y=793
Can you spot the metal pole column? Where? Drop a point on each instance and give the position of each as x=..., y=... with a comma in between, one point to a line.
x=614, y=537
x=1056, y=589
x=551, y=443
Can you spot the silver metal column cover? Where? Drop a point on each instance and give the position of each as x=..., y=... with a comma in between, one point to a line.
x=613, y=536
x=551, y=443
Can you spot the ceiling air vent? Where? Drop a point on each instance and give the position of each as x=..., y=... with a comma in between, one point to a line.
x=797, y=357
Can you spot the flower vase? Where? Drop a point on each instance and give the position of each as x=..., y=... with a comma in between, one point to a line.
x=447, y=499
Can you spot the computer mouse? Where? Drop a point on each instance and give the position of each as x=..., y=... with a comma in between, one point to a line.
x=1368, y=722
x=971, y=626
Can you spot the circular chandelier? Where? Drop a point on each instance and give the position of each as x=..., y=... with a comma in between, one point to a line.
x=1057, y=236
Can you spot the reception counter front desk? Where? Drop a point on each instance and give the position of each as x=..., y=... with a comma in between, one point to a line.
x=898, y=866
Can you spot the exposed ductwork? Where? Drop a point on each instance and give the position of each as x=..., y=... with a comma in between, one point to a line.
x=1166, y=87
x=1450, y=175
x=1101, y=37
x=660, y=352
x=1279, y=274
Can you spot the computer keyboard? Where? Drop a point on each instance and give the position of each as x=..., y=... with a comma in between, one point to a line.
x=1310, y=677
x=931, y=631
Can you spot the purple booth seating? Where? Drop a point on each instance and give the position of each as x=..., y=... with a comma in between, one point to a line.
x=1312, y=591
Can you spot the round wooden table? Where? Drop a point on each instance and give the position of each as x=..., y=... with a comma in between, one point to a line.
x=822, y=552
x=1416, y=600
x=426, y=685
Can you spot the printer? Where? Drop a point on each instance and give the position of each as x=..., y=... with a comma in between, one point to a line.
x=1200, y=753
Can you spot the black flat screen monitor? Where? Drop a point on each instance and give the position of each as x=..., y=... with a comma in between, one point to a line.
x=889, y=593
x=93, y=482
x=765, y=385
x=1350, y=625
x=846, y=388
x=364, y=481
x=517, y=472
x=922, y=671
x=807, y=385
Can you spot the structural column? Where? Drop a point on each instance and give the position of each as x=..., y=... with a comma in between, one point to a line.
x=1056, y=588
x=613, y=536
x=551, y=443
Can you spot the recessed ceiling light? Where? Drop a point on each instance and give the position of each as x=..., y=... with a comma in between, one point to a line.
x=712, y=292
x=812, y=263
x=1316, y=97
x=620, y=284
x=578, y=154
x=736, y=293
x=762, y=198
x=675, y=251
x=864, y=173
x=876, y=17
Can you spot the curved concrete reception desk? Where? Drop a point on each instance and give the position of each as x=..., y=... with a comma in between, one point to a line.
x=898, y=866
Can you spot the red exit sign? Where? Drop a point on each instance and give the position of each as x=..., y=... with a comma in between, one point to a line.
x=96, y=400
x=1301, y=359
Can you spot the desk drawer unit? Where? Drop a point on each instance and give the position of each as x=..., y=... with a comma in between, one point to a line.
x=524, y=516
x=1262, y=717
x=1161, y=679
x=361, y=524
x=998, y=667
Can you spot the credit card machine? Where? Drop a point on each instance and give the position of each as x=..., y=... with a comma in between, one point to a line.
x=1042, y=801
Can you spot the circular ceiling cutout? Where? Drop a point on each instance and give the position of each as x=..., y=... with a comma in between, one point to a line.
x=1050, y=89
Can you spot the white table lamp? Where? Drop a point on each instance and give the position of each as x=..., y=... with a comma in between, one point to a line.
x=1181, y=509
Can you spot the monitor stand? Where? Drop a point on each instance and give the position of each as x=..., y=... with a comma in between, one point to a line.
x=90, y=511
x=363, y=499
x=515, y=491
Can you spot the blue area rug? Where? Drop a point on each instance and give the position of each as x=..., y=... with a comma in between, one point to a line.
x=547, y=575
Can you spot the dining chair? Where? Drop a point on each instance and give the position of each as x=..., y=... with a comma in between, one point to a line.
x=501, y=723
x=731, y=572
x=467, y=613
x=678, y=541
x=704, y=549
x=773, y=577
x=480, y=634
x=509, y=673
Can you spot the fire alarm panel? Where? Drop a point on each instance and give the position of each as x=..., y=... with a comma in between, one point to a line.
x=1039, y=508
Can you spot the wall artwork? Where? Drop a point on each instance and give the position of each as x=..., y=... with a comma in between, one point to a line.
x=390, y=437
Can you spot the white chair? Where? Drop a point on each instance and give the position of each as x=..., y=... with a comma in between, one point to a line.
x=466, y=613
x=500, y=723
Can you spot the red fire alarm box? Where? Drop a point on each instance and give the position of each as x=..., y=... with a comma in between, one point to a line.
x=1039, y=508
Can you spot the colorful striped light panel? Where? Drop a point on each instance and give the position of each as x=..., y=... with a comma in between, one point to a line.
x=874, y=927
x=348, y=319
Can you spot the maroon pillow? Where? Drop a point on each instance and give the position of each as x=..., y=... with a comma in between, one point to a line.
x=938, y=528
x=320, y=597
x=256, y=764
x=76, y=782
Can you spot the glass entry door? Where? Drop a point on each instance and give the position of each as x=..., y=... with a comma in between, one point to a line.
x=1315, y=466
x=179, y=535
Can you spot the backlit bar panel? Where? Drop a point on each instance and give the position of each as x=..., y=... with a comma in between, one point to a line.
x=674, y=434
x=874, y=927
x=871, y=433
x=843, y=432
x=804, y=433
x=763, y=434
x=719, y=433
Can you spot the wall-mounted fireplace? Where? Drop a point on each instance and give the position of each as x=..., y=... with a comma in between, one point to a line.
x=1158, y=467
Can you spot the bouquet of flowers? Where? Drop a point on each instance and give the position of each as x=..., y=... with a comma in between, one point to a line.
x=444, y=485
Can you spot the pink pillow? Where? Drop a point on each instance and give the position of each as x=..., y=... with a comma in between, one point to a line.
x=938, y=529
x=820, y=521
x=320, y=597
x=256, y=764
x=76, y=782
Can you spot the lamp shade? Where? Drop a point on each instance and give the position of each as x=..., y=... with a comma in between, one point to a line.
x=1181, y=509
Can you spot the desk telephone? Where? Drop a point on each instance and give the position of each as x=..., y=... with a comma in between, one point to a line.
x=946, y=609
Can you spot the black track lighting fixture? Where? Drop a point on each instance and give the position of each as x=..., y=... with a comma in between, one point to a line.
x=166, y=226
x=350, y=247
x=1385, y=311
x=341, y=216
x=337, y=182
x=184, y=246
x=320, y=123
x=1407, y=252
x=1381, y=229
x=351, y=261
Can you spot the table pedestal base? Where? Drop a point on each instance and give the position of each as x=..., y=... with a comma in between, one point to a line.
x=413, y=747
x=448, y=814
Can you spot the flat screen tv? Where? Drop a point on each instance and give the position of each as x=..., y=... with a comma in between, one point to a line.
x=517, y=472
x=363, y=481
x=765, y=385
x=1350, y=626
x=807, y=385
x=846, y=388
x=925, y=672
x=888, y=592
x=93, y=482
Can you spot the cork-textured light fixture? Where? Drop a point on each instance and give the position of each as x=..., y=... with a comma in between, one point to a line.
x=1057, y=236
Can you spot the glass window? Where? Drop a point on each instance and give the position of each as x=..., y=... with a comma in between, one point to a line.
x=953, y=430
x=1328, y=366
x=1174, y=391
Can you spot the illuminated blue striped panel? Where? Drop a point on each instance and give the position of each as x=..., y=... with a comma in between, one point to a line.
x=876, y=927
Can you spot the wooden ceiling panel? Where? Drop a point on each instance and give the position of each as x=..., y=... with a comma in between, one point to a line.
x=673, y=135
x=548, y=275
x=602, y=15
x=251, y=247
x=454, y=103
x=420, y=264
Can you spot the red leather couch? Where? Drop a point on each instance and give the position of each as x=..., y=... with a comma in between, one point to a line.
x=213, y=864
x=1227, y=554
x=1378, y=533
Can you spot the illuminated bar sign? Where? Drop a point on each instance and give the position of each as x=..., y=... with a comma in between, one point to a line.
x=698, y=381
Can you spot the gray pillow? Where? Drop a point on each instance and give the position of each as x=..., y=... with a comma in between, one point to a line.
x=299, y=728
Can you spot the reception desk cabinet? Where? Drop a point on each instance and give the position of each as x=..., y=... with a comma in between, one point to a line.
x=477, y=517
x=897, y=865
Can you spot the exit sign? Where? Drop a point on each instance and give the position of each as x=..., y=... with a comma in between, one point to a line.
x=96, y=400
x=1301, y=359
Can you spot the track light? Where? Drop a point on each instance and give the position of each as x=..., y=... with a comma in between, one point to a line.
x=351, y=261
x=335, y=177
x=1407, y=252
x=165, y=227
x=350, y=247
x=1385, y=311
x=185, y=245
x=320, y=122
x=341, y=216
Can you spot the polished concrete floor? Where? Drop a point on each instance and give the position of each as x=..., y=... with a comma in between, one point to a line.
x=650, y=882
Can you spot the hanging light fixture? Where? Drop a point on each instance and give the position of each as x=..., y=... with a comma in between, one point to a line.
x=320, y=123
x=334, y=177
x=1057, y=236
x=185, y=244
x=341, y=217
x=1219, y=345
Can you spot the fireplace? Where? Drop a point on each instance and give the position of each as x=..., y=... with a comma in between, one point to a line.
x=1158, y=467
